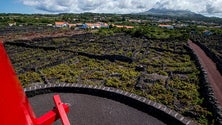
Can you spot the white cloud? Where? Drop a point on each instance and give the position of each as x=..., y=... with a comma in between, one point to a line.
x=99, y=6
x=206, y=6
x=123, y=6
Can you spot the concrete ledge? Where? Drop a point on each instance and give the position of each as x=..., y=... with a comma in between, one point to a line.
x=155, y=109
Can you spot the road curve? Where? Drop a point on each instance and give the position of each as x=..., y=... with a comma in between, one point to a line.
x=213, y=75
x=94, y=110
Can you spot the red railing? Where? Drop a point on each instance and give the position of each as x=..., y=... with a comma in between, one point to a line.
x=15, y=108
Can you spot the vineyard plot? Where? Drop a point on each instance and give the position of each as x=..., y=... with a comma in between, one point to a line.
x=159, y=69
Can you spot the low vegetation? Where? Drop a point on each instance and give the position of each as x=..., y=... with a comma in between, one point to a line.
x=155, y=65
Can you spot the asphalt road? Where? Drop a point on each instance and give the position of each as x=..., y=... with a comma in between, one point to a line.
x=93, y=110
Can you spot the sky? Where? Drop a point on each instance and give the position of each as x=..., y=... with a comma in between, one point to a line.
x=205, y=7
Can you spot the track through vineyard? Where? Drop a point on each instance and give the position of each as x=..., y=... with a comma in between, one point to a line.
x=213, y=75
x=159, y=69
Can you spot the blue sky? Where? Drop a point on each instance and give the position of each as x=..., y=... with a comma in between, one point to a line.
x=206, y=7
x=14, y=6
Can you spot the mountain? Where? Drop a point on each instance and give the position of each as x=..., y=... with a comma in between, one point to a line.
x=168, y=12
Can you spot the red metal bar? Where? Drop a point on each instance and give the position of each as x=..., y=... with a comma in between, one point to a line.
x=14, y=105
x=51, y=116
x=60, y=108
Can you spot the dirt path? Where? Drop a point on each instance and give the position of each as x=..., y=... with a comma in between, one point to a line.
x=213, y=75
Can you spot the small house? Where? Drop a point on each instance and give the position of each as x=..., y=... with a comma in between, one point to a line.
x=90, y=25
x=104, y=25
x=72, y=25
x=122, y=26
x=207, y=32
x=12, y=24
x=166, y=26
x=61, y=24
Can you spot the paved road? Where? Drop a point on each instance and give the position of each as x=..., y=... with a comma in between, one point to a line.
x=214, y=76
x=93, y=110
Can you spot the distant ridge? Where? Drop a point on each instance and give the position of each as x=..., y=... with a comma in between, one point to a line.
x=169, y=12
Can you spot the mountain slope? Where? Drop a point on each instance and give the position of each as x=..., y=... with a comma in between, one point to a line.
x=168, y=12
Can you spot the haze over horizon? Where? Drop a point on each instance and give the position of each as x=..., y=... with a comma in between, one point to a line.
x=207, y=7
